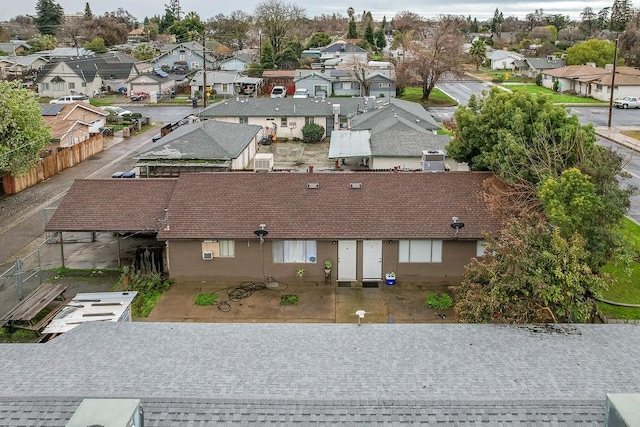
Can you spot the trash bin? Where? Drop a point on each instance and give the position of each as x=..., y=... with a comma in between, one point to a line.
x=390, y=278
x=194, y=102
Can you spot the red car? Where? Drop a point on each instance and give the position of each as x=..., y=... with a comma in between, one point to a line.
x=138, y=96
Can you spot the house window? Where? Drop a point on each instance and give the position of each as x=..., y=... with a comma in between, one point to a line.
x=195, y=65
x=72, y=85
x=283, y=122
x=244, y=120
x=384, y=85
x=346, y=85
x=308, y=121
x=84, y=84
x=225, y=87
x=420, y=251
x=481, y=247
x=294, y=251
x=58, y=86
x=46, y=86
x=219, y=248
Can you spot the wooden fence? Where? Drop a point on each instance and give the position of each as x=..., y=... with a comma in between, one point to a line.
x=53, y=163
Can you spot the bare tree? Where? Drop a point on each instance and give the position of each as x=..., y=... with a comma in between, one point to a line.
x=276, y=19
x=439, y=55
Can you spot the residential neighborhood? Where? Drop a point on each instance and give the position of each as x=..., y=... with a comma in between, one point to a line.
x=385, y=218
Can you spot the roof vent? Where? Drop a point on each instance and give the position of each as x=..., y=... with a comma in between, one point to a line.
x=355, y=185
x=313, y=185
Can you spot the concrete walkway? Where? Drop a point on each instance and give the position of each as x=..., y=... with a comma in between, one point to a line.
x=614, y=134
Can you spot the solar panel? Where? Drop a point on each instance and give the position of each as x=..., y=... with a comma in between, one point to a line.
x=161, y=73
x=51, y=109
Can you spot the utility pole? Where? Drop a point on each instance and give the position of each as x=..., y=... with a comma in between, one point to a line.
x=613, y=81
x=204, y=71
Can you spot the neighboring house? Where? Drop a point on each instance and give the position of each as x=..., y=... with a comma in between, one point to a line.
x=205, y=146
x=327, y=374
x=503, y=59
x=285, y=117
x=136, y=35
x=627, y=83
x=15, y=48
x=531, y=67
x=19, y=66
x=344, y=49
x=86, y=75
x=66, y=52
x=273, y=78
x=226, y=84
x=183, y=57
x=328, y=82
x=235, y=63
x=209, y=222
x=157, y=82
x=401, y=135
x=73, y=123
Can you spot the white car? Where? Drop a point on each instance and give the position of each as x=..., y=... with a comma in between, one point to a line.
x=70, y=99
x=627, y=102
x=301, y=93
x=119, y=111
x=279, y=92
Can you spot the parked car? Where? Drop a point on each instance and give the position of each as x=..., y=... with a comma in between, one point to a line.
x=138, y=96
x=279, y=92
x=301, y=93
x=119, y=111
x=68, y=99
x=627, y=102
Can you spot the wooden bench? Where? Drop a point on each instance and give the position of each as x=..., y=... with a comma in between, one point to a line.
x=23, y=314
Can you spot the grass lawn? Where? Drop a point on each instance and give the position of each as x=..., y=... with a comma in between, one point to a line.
x=626, y=286
x=557, y=98
x=504, y=75
x=437, y=98
x=632, y=133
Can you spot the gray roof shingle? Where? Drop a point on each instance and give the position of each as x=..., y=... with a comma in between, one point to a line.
x=191, y=373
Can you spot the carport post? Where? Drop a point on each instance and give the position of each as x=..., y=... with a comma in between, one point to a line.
x=119, y=262
x=62, y=249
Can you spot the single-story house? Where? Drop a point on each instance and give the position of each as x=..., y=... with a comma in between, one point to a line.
x=73, y=123
x=531, y=67
x=327, y=374
x=504, y=59
x=226, y=84
x=343, y=48
x=15, y=48
x=627, y=83
x=18, y=66
x=157, y=82
x=235, y=63
x=249, y=226
x=86, y=75
x=342, y=82
x=592, y=81
x=285, y=117
x=204, y=146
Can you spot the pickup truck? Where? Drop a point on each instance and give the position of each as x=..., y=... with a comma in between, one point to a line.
x=627, y=102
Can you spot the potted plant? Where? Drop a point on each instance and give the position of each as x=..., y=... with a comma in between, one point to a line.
x=300, y=271
x=328, y=265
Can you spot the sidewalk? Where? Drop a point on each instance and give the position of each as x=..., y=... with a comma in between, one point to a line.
x=614, y=134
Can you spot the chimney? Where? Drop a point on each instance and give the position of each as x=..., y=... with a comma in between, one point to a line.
x=310, y=168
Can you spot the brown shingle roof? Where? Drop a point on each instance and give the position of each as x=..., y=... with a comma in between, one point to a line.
x=388, y=206
x=576, y=71
x=113, y=205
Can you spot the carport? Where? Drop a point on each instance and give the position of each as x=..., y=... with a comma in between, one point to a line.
x=131, y=207
x=347, y=144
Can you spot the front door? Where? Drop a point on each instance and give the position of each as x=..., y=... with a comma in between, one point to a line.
x=371, y=259
x=347, y=260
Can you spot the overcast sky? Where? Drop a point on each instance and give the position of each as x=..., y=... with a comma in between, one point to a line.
x=206, y=9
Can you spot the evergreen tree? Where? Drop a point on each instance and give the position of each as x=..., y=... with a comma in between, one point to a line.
x=267, y=60
x=353, y=31
x=49, y=17
x=368, y=34
x=383, y=26
x=87, y=12
x=621, y=13
x=174, y=8
x=381, y=40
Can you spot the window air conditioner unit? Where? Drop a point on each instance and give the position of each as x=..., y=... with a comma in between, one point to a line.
x=207, y=255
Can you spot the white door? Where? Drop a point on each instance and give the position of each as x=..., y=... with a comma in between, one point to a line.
x=371, y=259
x=347, y=259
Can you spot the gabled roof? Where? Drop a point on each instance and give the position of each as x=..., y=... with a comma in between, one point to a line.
x=152, y=76
x=335, y=374
x=282, y=107
x=205, y=140
x=241, y=58
x=278, y=73
x=191, y=45
x=382, y=117
x=61, y=124
x=10, y=46
x=306, y=74
x=576, y=71
x=621, y=80
x=66, y=52
x=498, y=55
x=423, y=205
x=545, y=63
x=26, y=59
x=88, y=68
x=124, y=205
x=341, y=46
x=215, y=77
x=397, y=142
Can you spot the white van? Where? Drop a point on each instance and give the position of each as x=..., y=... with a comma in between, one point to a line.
x=279, y=92
x=69, y=99
x=301, y=93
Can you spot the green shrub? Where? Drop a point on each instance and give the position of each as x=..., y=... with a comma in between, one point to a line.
x=312, y=132
x=289, y=300
x=539, y=79
x=206, y=299
x=150, y=288
x=439, y=301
